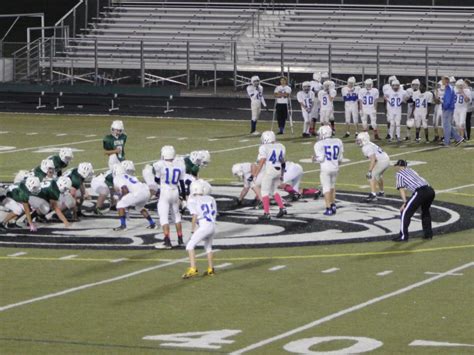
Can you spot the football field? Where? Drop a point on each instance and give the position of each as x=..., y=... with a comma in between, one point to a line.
x=305, y=297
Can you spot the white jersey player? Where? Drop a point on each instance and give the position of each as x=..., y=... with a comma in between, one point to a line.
x=255, y=93
x=463, y=101
x=292, y=179
x=328, y=153
x=350, y=95
x=422, y=100
x=385, y=88
x=133, y=193
x=395, y=97
x=368, y=100
x=316, y=86
x=170, y=173
x=326, y=97
x=306, y=98
x=415, y=86
x=379, y=163
x=438, y=109
x=203, y=208
x=271, y=162
x=243, y=171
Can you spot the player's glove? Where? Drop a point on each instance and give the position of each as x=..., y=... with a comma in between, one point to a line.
x=369, y=175
x=33, y=227
x=250, y=178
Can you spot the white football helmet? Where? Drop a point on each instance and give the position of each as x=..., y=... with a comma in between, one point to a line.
x=205, y=157
x=47, y=165
x=306, y=86
x=268, y=137
x=324, y=132
x=415, y=84
x=460, y=84
x=452, y=79
x=238, y=171
x=351, y=81
x=326, y=85
x=395, y=85
x=363, y=138
x=195, y=157
x=117, y=128
x=411, y=123
x=391, y=78
x=369, y=83
x=66, y=155
x=196, y=188
x=85, y=170
x=317, y=76
x=168, y=152
x=324, y=76
x=129, y=167
x=22, y=175
x=255, y=80
x=118, y=170
x=64, y=184
x=207, y=188
x=33, y=185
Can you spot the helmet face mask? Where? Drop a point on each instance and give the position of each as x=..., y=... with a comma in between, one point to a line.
x=195, y=157
x=117, y=128
x=238, y=171
x=85, y=170
x=204, y=158
x=363, y=138
x=351, y=81
x=129, y=167
x=64, y=184
x=66, y=155
x=306, y=86
x=369, y=84
x=460, y=84
x=255, y=80
x=33, y=185
x=47, y=167
x=415, y=84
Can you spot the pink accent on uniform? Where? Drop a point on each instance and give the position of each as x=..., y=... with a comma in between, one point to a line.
x=310, y=191
x=288, y=188
x=278, y=200
x=266, y=204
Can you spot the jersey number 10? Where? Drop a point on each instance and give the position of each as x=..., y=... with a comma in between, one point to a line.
x=174, y=177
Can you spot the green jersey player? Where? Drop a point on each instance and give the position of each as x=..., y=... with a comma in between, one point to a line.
x=61, y=160
x=114, y=144
x=49, y=196
x=45, y=170
x=78, y=175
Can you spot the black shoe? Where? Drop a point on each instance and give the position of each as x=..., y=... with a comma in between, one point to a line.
x=407, y=138
x=380, y=194
x=333, y=208
x=347, y=135
x=165, y=245
x=282, y=212
x=151, y=226
x=306, y=135
x=3, y=227
x=113, y=208
x=370, y=198
x=120, y=228
x=279, y=133
x=436, y=138
x=400, y=239
x=265, y=217
x=428, y=237
x=388, y=136
x=180, y=241
x=295, y=197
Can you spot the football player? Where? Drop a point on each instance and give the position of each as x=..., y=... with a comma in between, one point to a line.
x=326, y=97
x=78, y=176
x=282, y=94
x=438, y=110
x=422, y=100
x=292, y=179
x=203, y=208
x=379, y=163
x=170, y=174
x=243, y=171
x=103, y=186
x=17, y=201
x=463, y=99
x=415, y=86
x=328, y=152
x=350, y=94
x=315, y=87
x=395, y=97
x=45, y=171
x=61, y=160
x=255, y=93
x=114, y=143
x=271, y=162
x=386, y=87
x=368, y=99
x=306, y=99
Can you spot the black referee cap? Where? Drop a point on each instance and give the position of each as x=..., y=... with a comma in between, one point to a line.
x=401, y=162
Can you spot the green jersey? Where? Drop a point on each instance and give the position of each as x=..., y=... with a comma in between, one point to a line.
x=109, y=180
x=191, y=168
x=59, y=165
x=19, y=192
x=39, y=173
x=49, y=191
x=76, y=179
x=111, y=143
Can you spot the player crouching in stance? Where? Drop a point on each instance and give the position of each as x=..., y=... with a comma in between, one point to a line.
x=243, y=171
x=306, y=99
x=203, y=208
x=350, y=94
x=379, y=162
x=170, y=174
x=61, y=160
x=78, y=176
x=133, y=193
x=255, y=92
x=328, y=152
x=271, y=162
x=16, y=201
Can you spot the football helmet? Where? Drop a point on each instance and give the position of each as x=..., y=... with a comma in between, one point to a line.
x=66, y=155
x=196, y=188
x=255, y=80
x=369, y=83
x=325, y=132
x=460, y=84
x=22, y=175
x=46, y=165
x=391, y=78
x=129, y=167
x=327, y=85
x=238, y=171
x=317, y=76
x=395, y=85
x=64, y=184
x=268, y=137
x=363, y=138
x=195, y=157
x=85, y=170
x=118, y=170
x=351, y=81
x=33, y=184
x=168, y=152
x=306, y=86
x=415, y=84
x=411, y=123
x=117, y=128
x=452, y=79
x=205, y=157
x=207, y=188
x=324, y=76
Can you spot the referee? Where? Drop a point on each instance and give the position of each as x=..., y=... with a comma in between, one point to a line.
x=423, y=195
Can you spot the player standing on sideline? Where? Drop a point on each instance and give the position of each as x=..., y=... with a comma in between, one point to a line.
x=415, y=86
x=379, y=162
x=283, y=95
x=385, y=88
x=316, y=86
x=170, y=173
x=271, y=162
x=469, y=110
x=114, y=143
x=61, y=160
x=463, y=100
x=438, y=110
x=368, y=98
x=255, y=92
x=395, y=97
x=350, y=94
x=326, y=97
x=422, y=100
x=328, y=152
x=203, y=208
x=243, y=171
x=423, y=195
x=306, y=99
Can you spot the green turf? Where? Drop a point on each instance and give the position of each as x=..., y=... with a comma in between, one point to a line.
x=113, y=318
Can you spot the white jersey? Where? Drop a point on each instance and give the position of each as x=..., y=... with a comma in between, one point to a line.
x=204, y=208
x=274, y=153
x=369, y=99
x=471, y=106
x=316, y=86
x=325, y=101
x=371, y=149
x=329, y=153
x=282, y=89
x=132, y=183
x=395, y=100
x=421, y=101
x=461, y=102
x=306, y=99
x=169, y=173
x=256, y=93
x=350, y=95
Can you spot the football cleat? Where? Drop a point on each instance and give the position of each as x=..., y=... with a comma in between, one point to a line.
x=209, y=272
x=265, y=217
x=165, y=245
x=180, y=241
x=333, y=208
x=120, y=228
x=151, y=226
x=381, y=194
x=281, y=213
x=400, y=239
x=191, y=272
x=370, y=198
x=98, y=211
x=328, y=212
x=418, y=140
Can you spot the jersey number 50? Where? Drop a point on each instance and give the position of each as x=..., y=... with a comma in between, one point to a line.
x=332, y=152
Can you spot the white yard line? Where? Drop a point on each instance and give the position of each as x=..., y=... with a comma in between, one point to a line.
x=350, y=310
x=68, y=257
x=437, y=343
x=222, y=266
x=49, y=146
x=384, y=273
x=331, y=270
x=118, y=260
x=276, y=268
x=438, y=273
x=18, y=254
x=454, y=188
x=93, y=284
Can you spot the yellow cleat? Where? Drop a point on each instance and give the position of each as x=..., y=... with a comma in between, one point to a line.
x=210, y=272
x=191, y=272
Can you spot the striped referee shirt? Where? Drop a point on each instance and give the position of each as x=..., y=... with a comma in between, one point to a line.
x=410, y=180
